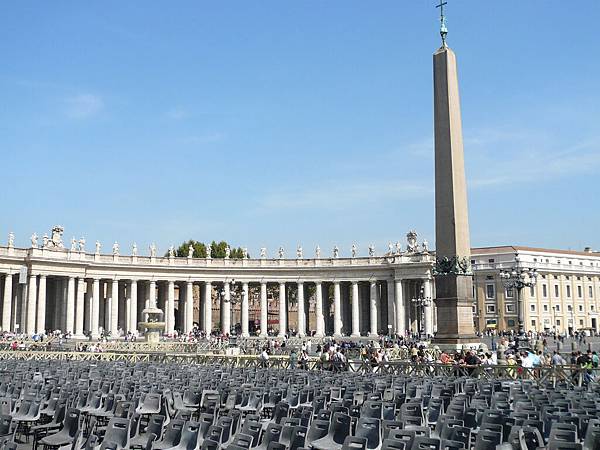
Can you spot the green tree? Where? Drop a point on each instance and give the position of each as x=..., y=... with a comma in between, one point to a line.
x=199, y=249
x=217, y=250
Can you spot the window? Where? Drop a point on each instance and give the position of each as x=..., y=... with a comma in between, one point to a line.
x=544, y=290
x=545, y=308
x=591, y=307
x=580, y=308
x=490, y=309
x=579, y=291
x=491, y=260
x=490, y=291
x=532, y=308
x=569, y=308
x=472, y=261
x=568, y=291
x=578, y=278
x=509, y=292
x=556, y=290
x=489, y=277
x=491, y=322
x=531, y=291
x=510, y=322
x=557, y=308
x=510, y=308
x=533, y=324
x=581, y=323
x=558, y=322
x=590, y=292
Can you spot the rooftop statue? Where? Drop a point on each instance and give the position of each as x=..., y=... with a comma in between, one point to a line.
x=190, y=251
x=171, y=252
x=227, y=252
x=82, y=244
x=56, y=240
x=98, y=247
x=11, y=239
x=318, y=252
x=115, y=249
x=398, y=248
x=244, y=253
x=153, y=250
x=336, y=251
x=263, y=252
x=34, y=240
x=354, y=250
x=411, y=242
x=281, y=252
x=134, y=249
x=45, y=241
x=371, y=250
x=208, y=252
x=73, y=244
x=299, y=252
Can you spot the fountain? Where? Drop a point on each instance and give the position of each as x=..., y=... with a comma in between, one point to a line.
x=153, y=325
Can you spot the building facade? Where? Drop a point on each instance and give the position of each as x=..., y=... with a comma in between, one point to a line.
x=565, y=297
x=50, y=287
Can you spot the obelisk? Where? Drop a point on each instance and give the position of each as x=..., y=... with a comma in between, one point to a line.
x=453, y=276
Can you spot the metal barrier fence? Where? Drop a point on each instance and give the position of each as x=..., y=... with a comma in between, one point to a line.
x=569, y=375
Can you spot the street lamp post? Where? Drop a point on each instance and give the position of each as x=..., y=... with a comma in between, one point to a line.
x=518, y=278
x=421, y=302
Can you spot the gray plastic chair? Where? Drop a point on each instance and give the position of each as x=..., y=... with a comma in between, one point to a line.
x=339, y=428
x=369, y=429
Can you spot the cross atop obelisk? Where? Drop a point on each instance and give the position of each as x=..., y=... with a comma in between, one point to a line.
x=453, y=282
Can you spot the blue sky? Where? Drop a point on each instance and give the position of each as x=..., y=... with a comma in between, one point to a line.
x=271, y=123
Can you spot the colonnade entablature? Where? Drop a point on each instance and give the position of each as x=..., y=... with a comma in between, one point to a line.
x=45, y=289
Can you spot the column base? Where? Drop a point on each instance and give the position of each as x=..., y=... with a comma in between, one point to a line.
x=355, y=335
x=337, y=335
x=319, y=335
x=373, y=335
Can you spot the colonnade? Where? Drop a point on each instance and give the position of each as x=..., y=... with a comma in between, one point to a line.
x=79, y=304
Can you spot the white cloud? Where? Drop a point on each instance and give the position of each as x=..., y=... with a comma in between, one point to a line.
x=177, y=113
x=343, y=194
x=83, y=106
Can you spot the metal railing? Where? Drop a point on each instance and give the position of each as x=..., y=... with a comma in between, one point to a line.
x=568, y=375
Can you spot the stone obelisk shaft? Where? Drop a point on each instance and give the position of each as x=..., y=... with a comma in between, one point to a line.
x=454, y=290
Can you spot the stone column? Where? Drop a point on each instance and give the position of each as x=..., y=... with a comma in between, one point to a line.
x=264, y=310
x=355, y=310
x=337, y=310
x=189, y=307
x=171, y=307
x=70, y=313
x=114, y=309
x=373, y=308
x=41, y=309
x=95, y=308
x=391, y=306
x=400, y=311
x=88, y=306
x=208, y=307
x=244, y=313
x=79, y=307
x=7, y=302
x=133, y=302
x=301, y=312
x=31, y=303
x=319, y=310
x=429, y=308
x=226, y=309
x=152, y=295
x=282, y=310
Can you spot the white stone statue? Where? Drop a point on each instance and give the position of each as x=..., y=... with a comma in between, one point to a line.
x=336, y=251
x=227, y=252
x=191, y=251
x=115, y=249
x=425, y=247
x=82, y=244
x=34, y=240
x=411, y=241
x=354, y=250
x=390, y=248
x=208, y=252
x=318, y=252
x=398, y=248
x=45, y=241
x=244, y=253
x=134, y=250
x=153, y=250
x=281, y=252
x=263, y=252
x=98, y=247
x=57, y=232
x=73, y=244
x=299, y=252
x=371, y=250
x=171, y=252
x=11, y=239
